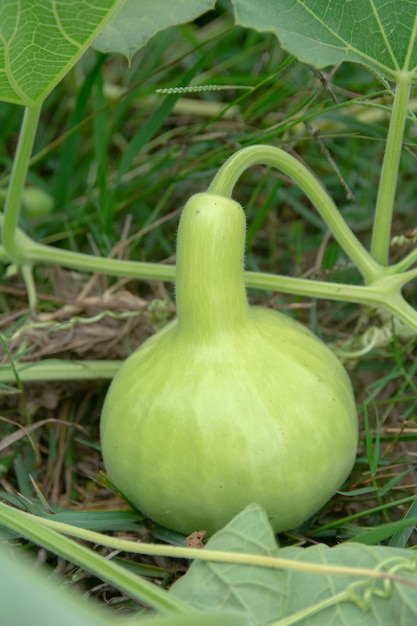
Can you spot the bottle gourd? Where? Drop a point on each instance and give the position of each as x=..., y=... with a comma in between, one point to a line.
x=228, y=404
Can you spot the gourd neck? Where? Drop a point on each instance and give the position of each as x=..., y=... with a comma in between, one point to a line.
x=210, y=287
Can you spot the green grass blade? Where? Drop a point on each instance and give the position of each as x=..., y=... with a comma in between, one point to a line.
x=400, y=538
x=136, y=587
x=52, y=36
x=153, y=124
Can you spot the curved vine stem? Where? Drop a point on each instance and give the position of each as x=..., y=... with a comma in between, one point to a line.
x=227, y=176
x=382, y=284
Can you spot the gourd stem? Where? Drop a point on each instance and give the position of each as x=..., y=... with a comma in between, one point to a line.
x=226, y=178
x=210, y=286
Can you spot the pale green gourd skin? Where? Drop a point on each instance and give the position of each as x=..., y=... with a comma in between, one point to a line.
x=202, y=421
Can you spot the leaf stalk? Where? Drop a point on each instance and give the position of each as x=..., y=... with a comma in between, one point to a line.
x=381, y=232
x=17, y=182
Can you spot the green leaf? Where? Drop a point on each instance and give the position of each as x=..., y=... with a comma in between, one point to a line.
x=401, y=537
x=385, y=594
x=257, y=592
x=379, y=34
x=137, y=22
x=103, y=521
x=351, y=600
x=40, y=40
x=381, y=533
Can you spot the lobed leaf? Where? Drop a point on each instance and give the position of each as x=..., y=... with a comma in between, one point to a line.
x=260, y=593
x=267, y=595
x=40, y=40
x=379, y=34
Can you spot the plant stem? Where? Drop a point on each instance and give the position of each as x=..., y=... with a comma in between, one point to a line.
x=309, y=611
x=57, y=369
x=218, y=556
x=385, y=293
x=377, y=294
x=400, y=308
x=342, y=292
x=227, y=176
x=381, y=232
x=36, y=252
x=17, y=182
x=27, y=273
x=405, y=263
x=401, y=278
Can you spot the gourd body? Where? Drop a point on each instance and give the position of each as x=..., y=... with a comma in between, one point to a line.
x=228, y=404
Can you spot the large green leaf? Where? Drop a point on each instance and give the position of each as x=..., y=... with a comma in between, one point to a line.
x=40, y=40
x=257, y=592
x=380, y=34
x=301, y=596
x=137, y=22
